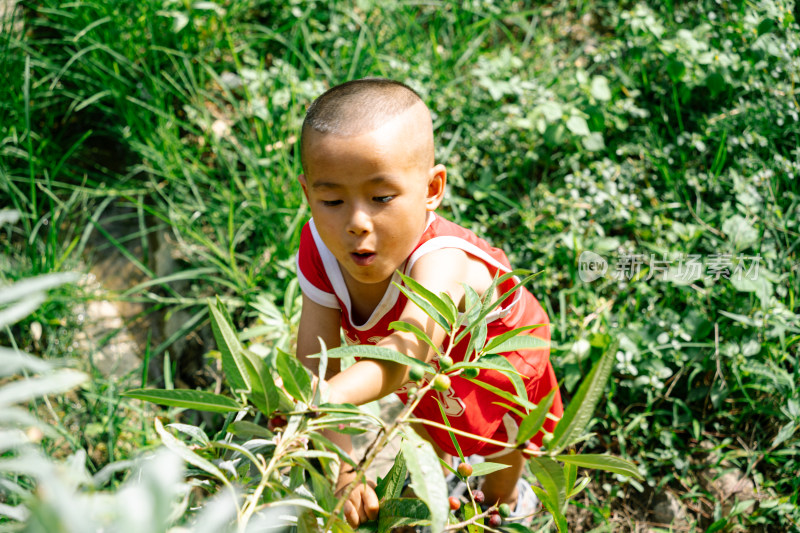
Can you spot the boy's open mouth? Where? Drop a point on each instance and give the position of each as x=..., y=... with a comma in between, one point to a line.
x=363, y=258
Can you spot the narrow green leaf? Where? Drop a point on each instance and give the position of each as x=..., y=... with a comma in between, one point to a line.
x=476, y=341
x=248, y=430
x=570, y=475
x=482, y=469
x=472, y=307
x=295, y=378
x=399, y=325
x=188, y=399
x=188, y=455
x=439, y=304
x=427, y=481
x=551, y=476
x=377, y=352
x=533, y=422
x=521, y=342
x=193, y=431
x=491, y=307
x=501, y=364
x=452, y=435
x=580, y=409
x=392, y=485
x=527, y=404
x=577, y=489
x=29, y=388
x=609, y=463
x=264, y=394
x=552, y=508
x=500, y=339
x=229, y=347
x=425, y=306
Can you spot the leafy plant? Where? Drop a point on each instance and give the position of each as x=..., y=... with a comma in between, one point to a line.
x=271, y=468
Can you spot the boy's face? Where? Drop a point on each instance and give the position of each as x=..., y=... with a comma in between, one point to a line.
x=370, y=194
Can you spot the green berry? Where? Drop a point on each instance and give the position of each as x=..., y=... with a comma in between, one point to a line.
x=445, y=362
x=441, y=383
x=471, y=373
x=504, y=509
x=547, y=439
x=416, y=373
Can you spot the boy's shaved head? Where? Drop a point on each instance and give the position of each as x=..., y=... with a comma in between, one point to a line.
x=361, y=106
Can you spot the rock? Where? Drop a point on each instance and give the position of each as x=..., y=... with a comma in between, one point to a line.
x=668, y=509
x=731, y=487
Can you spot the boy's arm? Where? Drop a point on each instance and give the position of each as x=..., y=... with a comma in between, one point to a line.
x=317, y=321
x=369, y=380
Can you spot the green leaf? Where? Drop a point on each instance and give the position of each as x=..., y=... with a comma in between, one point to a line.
x=482, y=469
x=552, y=508
x=580, y=409
x=264, y=393
x=477, y=340
x=519, y=342
x=509, y=334
x=440, y=305
x=578, y=126
x=501, y=364
x=30, y=388
x=229, y=347
x=391, y=486
x=609, y=463
x=452, y=435
x=551, y=476
x=188, y=399
x=600, y=89
x=399, y=325
x=675, y=69
x=472, y=305
x=488, y=308
x=425, y=306
x=594, y=142
x=188, y=455
x=295, y=378
x=523, y=401
x=427, y=480
x=469, y=512
x=248, y=430
x=534, y=420
x=570, y=475
x=401, y=512
x=376, y=352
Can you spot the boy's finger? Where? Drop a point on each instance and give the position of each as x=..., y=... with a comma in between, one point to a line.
x=371, y=504
x=350, y=514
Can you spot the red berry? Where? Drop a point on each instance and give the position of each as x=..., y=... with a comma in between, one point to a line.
x=441, y=383
x=478, y=496
x=495, y=520
x=341, y=427
x=465, y=469
x=455, y=505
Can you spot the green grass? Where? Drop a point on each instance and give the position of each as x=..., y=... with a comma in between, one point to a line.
x=194, y=130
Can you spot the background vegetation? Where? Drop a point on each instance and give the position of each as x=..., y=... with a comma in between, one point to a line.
x=620, y=128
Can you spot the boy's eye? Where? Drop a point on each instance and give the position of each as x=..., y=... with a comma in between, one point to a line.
x=383, y=199
x=331, y=203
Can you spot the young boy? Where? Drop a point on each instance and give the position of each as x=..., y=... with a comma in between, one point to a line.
x=372, y=184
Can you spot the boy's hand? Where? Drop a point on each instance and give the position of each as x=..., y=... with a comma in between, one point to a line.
x=362, y=506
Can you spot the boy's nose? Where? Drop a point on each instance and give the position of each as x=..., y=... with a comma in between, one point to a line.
x=359, y=222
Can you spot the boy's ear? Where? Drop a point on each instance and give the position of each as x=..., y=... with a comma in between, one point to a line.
x=437, y=179
x=304, y=184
